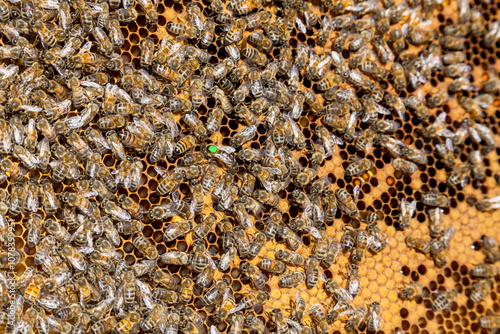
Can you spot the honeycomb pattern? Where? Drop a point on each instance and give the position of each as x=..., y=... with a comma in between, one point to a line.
x=383, y=273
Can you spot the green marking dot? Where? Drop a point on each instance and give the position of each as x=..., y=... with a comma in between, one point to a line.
x=212, y=149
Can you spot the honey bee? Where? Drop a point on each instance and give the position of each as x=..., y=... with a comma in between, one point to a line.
x=32, y=292
x=279, y=319
x=154, y=317
x=183, y=30
x=243, y=136
x=44, y=33
x=491, y=250
x=175, y=257
x=312, y=272
x=407, y=211
x=489, y=321
x=359, y=167
x=434, y=199
x=292, y=279
x=410, y=291
x=185, y=72
x=227, y=304
x=75, y=258
x=127, y=324
x=374, y=318
x=348, y=238
x=305, y=177
x=480, y=290
x=484, y=270
x=186, y=289
x=418, y=244
x=328, y=140
x=404, y=166
x=195, y=124
x=145, y=247
x=115, y=34
x=164, y=279
x=254, y=324
x=474, y=106
x=459, y=84
x=459, y=176
x=435, y=221
x=417, y=105
x=444, y=300
x=166, y=296
x=12, y=169
x=319, y=318
x=29, y=160
x=346, y=202
x=290, y=257
x=356, y=319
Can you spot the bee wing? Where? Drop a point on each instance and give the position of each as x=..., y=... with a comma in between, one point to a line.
x=482, y=129
x=294, y=324
x=228, y=149
x=403, y=206
x=124, y=96
x=376, y=320
x=474, y=134
x=74, y=122
x=233, y=51
x=89, y=84
x=297, y=133
x=134, y=178
x=324, y=62
x=176, y=196
x=355, y=8
x=329, y=145
x=226, y=295
x=80, y=265
x=160, y=170
x=334, y=247
x=356, y=192
x=382, y=110
x=495, y=200
x=300, y=25
x=249, y=131
x=353, y=118
x=434, y=61
x=412, y=207
x=484, y=100
x=7, y=142
x=145, y=125
x=449, y=144
x=313, y=231
x=214, y=330
x=63, y=107
x=118, y=149
x=87, y=193
x=440, y=119
x=85, y=47
x=144, y=288
x=120, y=213
x=67, y=51
x=237, y=308
x=444, y=132
x=315, y=308
x=246, y=219
x=464, y=181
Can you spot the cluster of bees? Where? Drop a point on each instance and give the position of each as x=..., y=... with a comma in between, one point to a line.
x=484, y=273
x=68, y=99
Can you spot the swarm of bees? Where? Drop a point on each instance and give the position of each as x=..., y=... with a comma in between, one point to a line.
x=69, y=102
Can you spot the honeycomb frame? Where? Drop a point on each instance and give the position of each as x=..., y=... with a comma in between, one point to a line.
x=380, y=274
